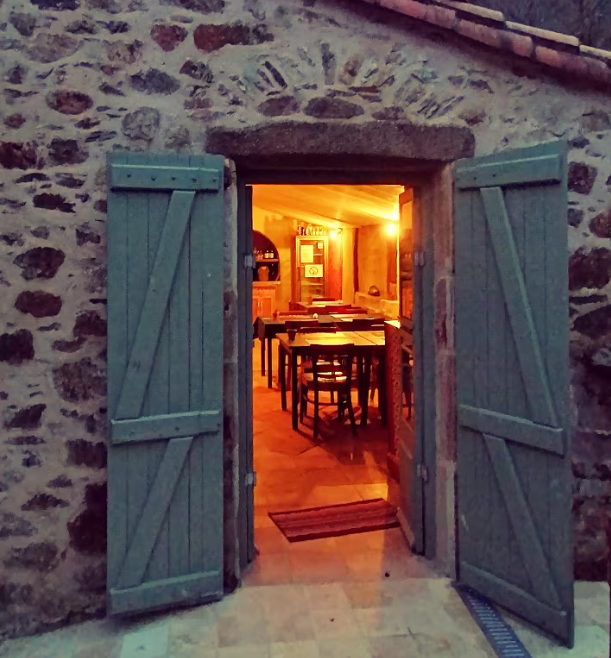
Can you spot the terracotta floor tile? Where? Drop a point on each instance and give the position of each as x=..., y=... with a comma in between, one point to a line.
x=313, y=567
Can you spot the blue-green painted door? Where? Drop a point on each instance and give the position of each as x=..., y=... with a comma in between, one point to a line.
x=165, y=346
x=513, y=486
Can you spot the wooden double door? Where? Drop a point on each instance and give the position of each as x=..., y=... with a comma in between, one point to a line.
x=165, y=383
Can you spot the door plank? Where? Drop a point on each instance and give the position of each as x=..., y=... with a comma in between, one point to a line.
x=164, y=178
x=518, y=308
x=543, y=169
x=199, y=587
x=138, y=473
x=154, y=511
x=524, y=528
x=154, y=308
x=117, y=356
x=158, y=392
x=153, y=428
x=197, y=473
x=518, y=430
x=548, y=618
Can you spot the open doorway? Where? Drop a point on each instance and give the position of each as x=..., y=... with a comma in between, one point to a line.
x=333, y=264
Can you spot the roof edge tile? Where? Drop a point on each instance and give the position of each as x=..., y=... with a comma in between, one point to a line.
x=560, y=51
x=547, y=35
x=474, y=10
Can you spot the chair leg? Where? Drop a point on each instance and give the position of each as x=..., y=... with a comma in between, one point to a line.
x=316, y=413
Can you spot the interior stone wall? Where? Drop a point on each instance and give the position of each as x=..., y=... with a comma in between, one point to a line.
x=82, y=78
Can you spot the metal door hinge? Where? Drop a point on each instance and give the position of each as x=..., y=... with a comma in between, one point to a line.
x=419, y=258
x=422, y=472
x=249, y=261
x=250, y=479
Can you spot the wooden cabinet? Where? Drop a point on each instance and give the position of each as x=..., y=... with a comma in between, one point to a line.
x=263, y=299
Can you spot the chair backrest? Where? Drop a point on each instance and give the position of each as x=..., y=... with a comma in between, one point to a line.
x=341, y=356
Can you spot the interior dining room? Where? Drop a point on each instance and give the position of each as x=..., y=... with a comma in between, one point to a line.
x=332, y=302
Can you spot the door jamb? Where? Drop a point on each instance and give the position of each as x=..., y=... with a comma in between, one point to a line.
x=279, y=176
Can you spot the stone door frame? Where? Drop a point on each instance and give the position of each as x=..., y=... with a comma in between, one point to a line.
x=434, y=181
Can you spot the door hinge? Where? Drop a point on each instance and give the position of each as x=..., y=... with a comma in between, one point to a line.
x=422, y=472
x=419, y=258
x=249, y=261
x=250, y=479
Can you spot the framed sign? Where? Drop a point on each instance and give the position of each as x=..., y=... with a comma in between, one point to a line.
x=313, y=271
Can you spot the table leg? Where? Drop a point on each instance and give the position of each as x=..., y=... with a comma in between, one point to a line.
x=269, y=363
x=294, y=392
x=365, y=393
x=382, y=399
x=282, y=376
x=262, y=357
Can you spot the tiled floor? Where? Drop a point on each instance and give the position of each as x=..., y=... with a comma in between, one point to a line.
x=358, y=596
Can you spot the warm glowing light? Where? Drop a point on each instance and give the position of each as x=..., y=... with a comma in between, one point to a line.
x=333, y=233
x=391, y=229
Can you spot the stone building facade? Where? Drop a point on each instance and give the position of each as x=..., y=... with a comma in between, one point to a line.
x=82, y=78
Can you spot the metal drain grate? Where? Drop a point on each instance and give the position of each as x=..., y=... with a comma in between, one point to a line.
x=498, y=632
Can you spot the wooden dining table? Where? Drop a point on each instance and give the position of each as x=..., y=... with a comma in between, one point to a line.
x=366, y=345
x=267, y=328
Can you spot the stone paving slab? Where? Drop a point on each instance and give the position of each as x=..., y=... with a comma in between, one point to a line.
x=409, y=618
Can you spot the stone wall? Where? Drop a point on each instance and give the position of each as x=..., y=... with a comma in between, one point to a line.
x=85, y=77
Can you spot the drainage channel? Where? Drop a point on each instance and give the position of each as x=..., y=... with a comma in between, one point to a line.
x=498, y=632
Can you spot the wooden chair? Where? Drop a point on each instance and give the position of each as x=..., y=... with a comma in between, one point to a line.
x=309, y=327
x=331, y=372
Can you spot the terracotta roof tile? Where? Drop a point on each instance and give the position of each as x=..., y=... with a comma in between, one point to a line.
x=559, y=51
x=488, y=35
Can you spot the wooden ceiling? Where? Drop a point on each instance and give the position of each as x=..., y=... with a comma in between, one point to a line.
x=331, y=205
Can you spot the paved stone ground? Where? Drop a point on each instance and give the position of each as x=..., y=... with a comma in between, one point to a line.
x=405, y=617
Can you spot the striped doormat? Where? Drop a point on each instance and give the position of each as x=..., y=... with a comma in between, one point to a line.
x=336, y=520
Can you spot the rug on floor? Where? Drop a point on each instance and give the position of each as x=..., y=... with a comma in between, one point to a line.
x=336, y=520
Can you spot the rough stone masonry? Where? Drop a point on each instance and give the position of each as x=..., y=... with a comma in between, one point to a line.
x=85, y=77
